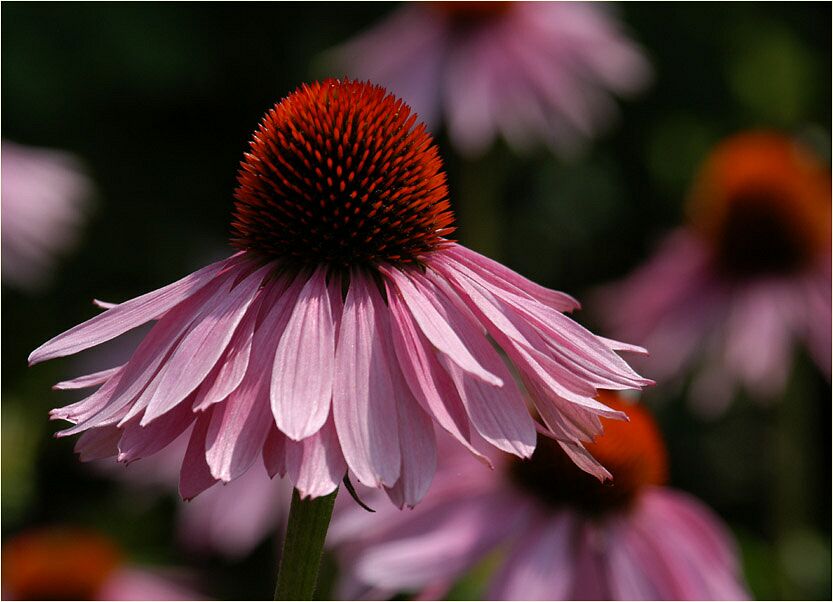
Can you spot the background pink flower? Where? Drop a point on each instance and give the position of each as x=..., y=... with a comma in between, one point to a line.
x=527, y=71
x=730, y=294
x=45, y=201
x=69, y=563
x=558, y=533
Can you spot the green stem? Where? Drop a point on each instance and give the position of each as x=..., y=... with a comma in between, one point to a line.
x=302, y=548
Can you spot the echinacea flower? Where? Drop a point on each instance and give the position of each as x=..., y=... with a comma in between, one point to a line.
x=45, y=200
x=529, y=71
x=745, y=279
x=552, y=531
x=345, y=326
x=69, y=563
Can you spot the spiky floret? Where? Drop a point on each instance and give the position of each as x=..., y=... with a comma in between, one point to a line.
x=340, y=173
x=633, y=452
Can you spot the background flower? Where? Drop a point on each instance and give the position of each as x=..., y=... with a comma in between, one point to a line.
x=558, y=533
x=72, y=563
x=748, y=277
x=45, y=201
x=528, y=71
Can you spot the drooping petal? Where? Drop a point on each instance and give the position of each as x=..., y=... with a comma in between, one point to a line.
x=430, y=385
x=195, y=476
x=302, y=377
x=499, y=414
x=96, y=444
x=316, y=465
x=436, y=329
x=363, y=399
x=87, y=381
x=127, y=315
x=203, y=345
x=240, y=424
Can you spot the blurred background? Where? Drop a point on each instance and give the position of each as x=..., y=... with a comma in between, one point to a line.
x=158, y=101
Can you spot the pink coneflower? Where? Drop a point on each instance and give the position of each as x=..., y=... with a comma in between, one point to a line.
x=68, y=563
x=344, y=327
x=746, y=278
x=555, y=532
x=529, y=71
x=44, y=203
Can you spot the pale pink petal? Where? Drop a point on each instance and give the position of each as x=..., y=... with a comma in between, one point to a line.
x=302, y=377
x=227, y=375
x=416, y=444
x=240, y=424
x=442, y=542
x=426, y=379
x=436, y=329
x=363, y=400
x=541, y=564
x=499, y=414
x=499, y=275
x=130, y=382
x=85, y=382
x=315, y=465
x=203, y=345
x=127, y=315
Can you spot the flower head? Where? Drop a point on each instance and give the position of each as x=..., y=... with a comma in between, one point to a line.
x=529, y=71
x=45, y=202
x=68, y=563
x=562, y=534
x=346, y=325
x=749, y=274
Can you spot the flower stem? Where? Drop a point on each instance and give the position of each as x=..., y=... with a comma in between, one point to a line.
x=302, y=548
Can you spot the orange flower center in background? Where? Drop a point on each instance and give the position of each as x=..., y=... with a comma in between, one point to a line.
x=340, y=173
x=57, y=564
x=763, y=203
x=633, y=452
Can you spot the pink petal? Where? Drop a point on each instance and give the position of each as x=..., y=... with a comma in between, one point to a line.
x=417, y=445
x=227, y=375
x=430, y=385
x=85, y=382
x=315, y=465
x=142, y=441
x=302, y=377
x=442, y=542
x=143, y=365
x=96, y=444
x=240, y=425
x=500, y=414
x=274, y=453
x=363, y=399
x=541, y=565
x=203, y=345
x=195, y=476
x=436, y=329
x=497, y=274
x=127, y=315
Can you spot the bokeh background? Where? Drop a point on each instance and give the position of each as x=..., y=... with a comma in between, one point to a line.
x=159, y=100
